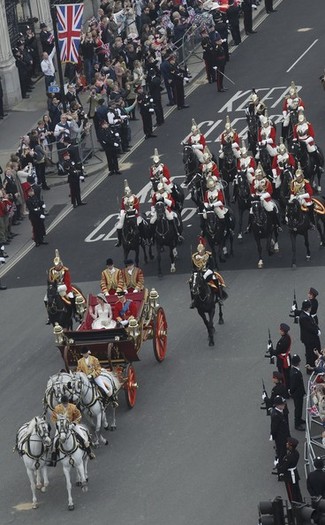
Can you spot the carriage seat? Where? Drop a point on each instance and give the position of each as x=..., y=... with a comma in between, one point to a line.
x=111, y=299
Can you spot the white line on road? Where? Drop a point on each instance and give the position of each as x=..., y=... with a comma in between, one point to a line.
x=301, y=56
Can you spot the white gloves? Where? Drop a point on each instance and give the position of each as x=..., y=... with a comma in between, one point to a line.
x=42, y=216
x=264, y=396
x=124, y=323
x=116, y=144
x=135, y=290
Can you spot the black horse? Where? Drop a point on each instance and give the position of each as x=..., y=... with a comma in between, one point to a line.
x=293, y=120
x=252, y=133
x=165, y=235
x=204, y=300
x=134, y=236
x=266, y=161
x=283, y=192
x=263, y=227
x=300, y=152
x=176, y=192
x=59, y=310
x=298, y=222
x=217, y=234
x=319, y=211
x=228, y=167
x=243, y=197
x=197, y=188
x=190, y=161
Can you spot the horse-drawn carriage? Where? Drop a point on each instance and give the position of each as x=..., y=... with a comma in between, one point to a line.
x=117, y=348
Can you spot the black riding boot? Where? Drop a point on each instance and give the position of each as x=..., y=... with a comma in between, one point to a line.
x=276, y=220
x=180, y=238
x=48, y=319
x=119, y=237
x=152, y=228
x=250, y=220
x=311, y=216
x=142, y=233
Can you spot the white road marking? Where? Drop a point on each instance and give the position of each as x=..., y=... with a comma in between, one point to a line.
x=302, y=55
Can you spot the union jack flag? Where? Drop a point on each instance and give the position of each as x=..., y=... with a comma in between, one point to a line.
x=69, y=19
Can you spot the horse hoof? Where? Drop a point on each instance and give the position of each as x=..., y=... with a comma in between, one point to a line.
x=106, y=443
x=71, y=507
x=308, y=258
x=112, y=428
x=84, y=488
x=173, y=268
x=276, y=247
x=294, y=266
x=240, y=237
x=221, y=321
x=107, y=427
x=260, y=264
x=43, y=489
x=39, y=486
x=78, y=484
x=35, y=505
x=322, y=244
x=211, y=343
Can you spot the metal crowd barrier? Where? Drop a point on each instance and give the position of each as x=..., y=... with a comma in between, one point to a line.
x=314, y=426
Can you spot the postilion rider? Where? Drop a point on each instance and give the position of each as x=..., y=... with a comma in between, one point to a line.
x=73, y=414
x=61, y=275
x=90, y=365
x=202, y=261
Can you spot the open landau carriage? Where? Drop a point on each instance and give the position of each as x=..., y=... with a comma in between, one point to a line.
x=117, y=348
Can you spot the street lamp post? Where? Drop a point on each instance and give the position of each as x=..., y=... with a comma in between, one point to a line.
x=56, y=40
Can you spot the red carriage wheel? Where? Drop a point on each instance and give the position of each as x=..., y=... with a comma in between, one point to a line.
x=160, y=335
x=130, y=386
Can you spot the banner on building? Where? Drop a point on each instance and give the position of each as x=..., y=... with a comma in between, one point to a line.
x=69, y=23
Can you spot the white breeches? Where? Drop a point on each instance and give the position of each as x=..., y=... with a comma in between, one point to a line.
x=220, y=211
x=286, y=120
x=199, y=154
x=169, y=215
x=267, y=205
x=301, y=199
x=311, y=147
x=121, y=219
x=100, y=382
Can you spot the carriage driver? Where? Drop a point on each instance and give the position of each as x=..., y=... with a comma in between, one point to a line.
x=90, y=365
x=163, y=195
x=229, y=136
x=73, y=414
x=131, y=204
x=292, y=102
x=202, y=261
x=197, y=141
x=282, y=160
x=301, y=189
x=61, y=275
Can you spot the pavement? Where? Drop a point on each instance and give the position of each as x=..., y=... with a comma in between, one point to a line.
x=24, y=117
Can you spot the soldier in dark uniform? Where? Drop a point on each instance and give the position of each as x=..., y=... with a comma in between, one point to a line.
x=75, y=174
x=177, y=75
x=220, y=64
x=279, y=427
x=309, y=333
x=297, y=391
x=279, y=390
x=282, y=354
x=269, y=6
x=46, y=38
x=247, y=7
x=221, y=28
x=22, y=72
x=146, y=112
x=233, y=17
x=287, y=470
x=36, y=208
x=316, y=479
x=107, y=138
x=312, y=294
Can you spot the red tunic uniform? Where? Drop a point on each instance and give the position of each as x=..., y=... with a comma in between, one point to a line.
x=307, y=189
x=201, y=141
x=208, y=168
x=304, y=131
x=267, y=189
x=125, y=310
x=290, y=161
x=288, y=101
x=213, y=196
x=136, y=204
x=165, y=197
x=61, y=276
x=157, y=171
x=269, y=137
x=224, y=135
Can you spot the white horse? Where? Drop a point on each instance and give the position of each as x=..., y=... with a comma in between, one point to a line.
x=92, y=402
x=71, y=454
x=58, y=385
x=32, y=443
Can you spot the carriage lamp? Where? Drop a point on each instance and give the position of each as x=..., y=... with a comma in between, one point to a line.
x=153, y=298
x=58, y=333
x=133, y=327
x=80, y=304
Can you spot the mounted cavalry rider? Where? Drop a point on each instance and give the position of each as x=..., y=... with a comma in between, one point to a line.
x=197, y=141
x=162, y=195
x=214, y=198
x=301, y=189
x=209, y=167
x=304, y=132
x=251, y=107
x=202, y=261
x=261, y=188
x=283, y=160
x=90, y=365
x=266, y=136
x=73, y=414
x=61, y=275
x=291, y=103
x=131, y=205
x=246, y=162
x=229, y=137
x=158, y=169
